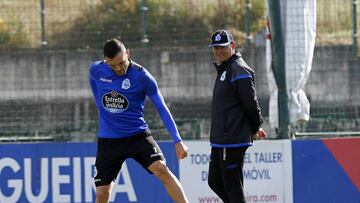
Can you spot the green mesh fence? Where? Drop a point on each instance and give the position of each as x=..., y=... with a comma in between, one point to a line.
x=84, y=24
x=334, y=80
x=47, y=45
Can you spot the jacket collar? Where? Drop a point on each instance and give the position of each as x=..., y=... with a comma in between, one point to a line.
x=224, y=64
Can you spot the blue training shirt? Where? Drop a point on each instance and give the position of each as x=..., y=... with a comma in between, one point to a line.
x=120, y=101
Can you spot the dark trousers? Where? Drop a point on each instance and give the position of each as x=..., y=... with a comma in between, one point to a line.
x=225, y=174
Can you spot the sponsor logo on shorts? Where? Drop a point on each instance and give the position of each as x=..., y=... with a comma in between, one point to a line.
x=97, y=180
x=154, y=155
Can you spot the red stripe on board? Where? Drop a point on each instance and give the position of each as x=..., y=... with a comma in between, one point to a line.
x=347, y=152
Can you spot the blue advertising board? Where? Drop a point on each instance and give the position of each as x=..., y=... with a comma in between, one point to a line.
x=63, y=172
x=323, y=171
x=326, y=171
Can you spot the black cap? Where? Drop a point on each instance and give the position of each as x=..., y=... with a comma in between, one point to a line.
x=221, y=38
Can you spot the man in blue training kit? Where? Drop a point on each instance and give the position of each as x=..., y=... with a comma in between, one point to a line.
x=120, y=86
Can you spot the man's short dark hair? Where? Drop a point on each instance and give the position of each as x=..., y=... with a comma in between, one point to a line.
x=112, y=47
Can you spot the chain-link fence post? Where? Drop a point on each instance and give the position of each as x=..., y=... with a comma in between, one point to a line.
x=43, y=42
x=355, y=34
x=278, y=66
x=144, y=9
x=247, y=27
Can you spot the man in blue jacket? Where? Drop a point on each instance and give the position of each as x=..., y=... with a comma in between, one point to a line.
x=120, y=86
x=235, y=120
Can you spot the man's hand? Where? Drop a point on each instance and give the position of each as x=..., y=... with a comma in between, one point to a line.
x=181, y=150
x=260, y=134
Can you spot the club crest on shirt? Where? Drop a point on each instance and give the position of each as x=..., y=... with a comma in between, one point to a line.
x=114, y=102
x=126, y=84
x=223, y=76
